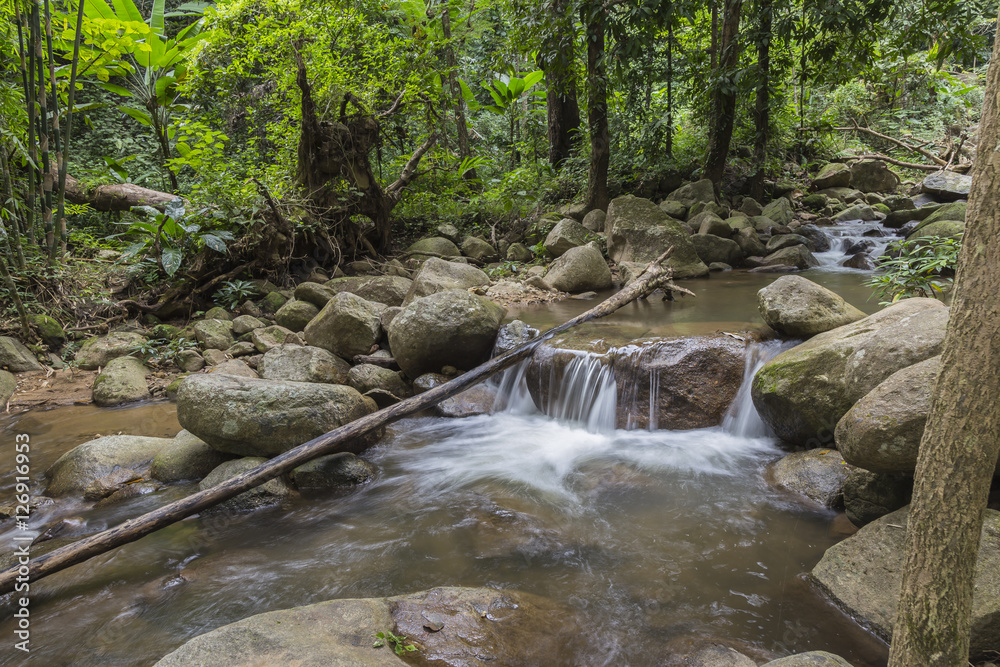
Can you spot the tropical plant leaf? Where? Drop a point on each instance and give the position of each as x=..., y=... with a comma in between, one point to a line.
x=140, y=116
x=171, y=260
x=214, y=242
x=175, y=208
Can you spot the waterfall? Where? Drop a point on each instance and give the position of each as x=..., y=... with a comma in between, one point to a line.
x=742, y=419
x=852, y=234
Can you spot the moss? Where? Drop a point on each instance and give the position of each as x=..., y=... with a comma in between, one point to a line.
x=49, y=330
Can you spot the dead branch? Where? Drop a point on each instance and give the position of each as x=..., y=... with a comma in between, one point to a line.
x=898, y=142
x=958, y=168
x=394, y=191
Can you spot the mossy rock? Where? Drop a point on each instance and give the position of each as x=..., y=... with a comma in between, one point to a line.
x=272, y=302
x=166, y=332
x=49, y=330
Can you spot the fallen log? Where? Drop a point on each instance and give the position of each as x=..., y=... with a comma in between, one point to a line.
x=115, y=197
x=957, y=168
x=655, y=276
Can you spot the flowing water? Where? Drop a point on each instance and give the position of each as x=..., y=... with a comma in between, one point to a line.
x=658, y=538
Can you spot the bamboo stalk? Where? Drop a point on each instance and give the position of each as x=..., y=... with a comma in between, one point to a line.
x=58, y=232
x=43, y=134
x=653, y=277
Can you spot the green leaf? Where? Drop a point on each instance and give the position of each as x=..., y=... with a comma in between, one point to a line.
x=127, y=11
x=175, y=208
x=118, y=90
x=515, y=88
x=98, y=9
x=163, y=85
x=140, y=116
x=532, y=78
x=214, y=242
x=156, y=17
x=171, y=260
x=466, y=91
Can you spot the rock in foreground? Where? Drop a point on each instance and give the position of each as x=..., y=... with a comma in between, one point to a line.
x=448, y=626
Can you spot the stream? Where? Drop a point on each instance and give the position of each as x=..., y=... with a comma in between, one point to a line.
x=658, y=538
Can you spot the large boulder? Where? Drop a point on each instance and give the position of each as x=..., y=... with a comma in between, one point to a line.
x=692, y=193
x=780, y=210
x=214, y=334
x=16, y=358
x=833, y=175
x=818, y=474
x=863, y=575
x=873, y=176
x=799, y=308
x=568, y=233
x=802, y=393
x=478, y=249
x=947, y=185
x=639, y=231
x=390, y=290
x=871, y=495
x=251, y=417
x=434, y=247
x=437, y=275
x=269, y=493
x=347, y=326
x=712, y=248
x=944, y=229
x=594, y=221
x=123, y=380
x=303, y=363
x=75, y=470
x=579, y=269
x=451, y=328
x=295, y=314
x=96, y=352
x=809, y=659
x=186, y=457
x=451, y=627
x=796, y=255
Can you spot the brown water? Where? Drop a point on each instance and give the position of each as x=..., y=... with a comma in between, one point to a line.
x=657, y=537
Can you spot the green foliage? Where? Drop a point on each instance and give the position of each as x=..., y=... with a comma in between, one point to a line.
x=160, y=351
x=172, y=234
x=923, y=267
x=397, y=642
x=233, y=293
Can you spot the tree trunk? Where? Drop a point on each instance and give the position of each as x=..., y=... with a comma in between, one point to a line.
x=655, y=276
x=594, y=17
x=670, y=87
x=958, y=452
x=115, y=197
x=724, y=96
x=762, y=107
x=558, y=60
x=458, y=100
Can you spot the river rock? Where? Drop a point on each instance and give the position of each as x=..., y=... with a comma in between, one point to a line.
x=799, y=308
x=832, y=175
x=871, y=495
x=478, y=249
x=674, y=209
x=390, y=290
x=233, y=367
x=303, y=363
x=579, y=269
x=810, y=659
x=252, y=417
x=594, y=221
x=954, y=211
x=873, y=176
x=123, y=380
x=477, y=400
x=709, y=223
x=314, y=293
x=518, y=252
x=782, y=241
x=186, y=457
x=214, y=334
x=437, y=275
x=817, y=240
x=882, y=431
x=434, y=246
x=102, y=487
x=8, y=383
x=803, y=392
x=366, y=377
x=96, y=352
x=479, y=626
x=214, y=357
x=947, y=185
x=513, y=335
x=244, y=324
x=780, y=210
x=347, y=326
x=335, y=471
x=451, y=328
x=295, y=314
x=692, y=193
x=49, y=330
x=796, y=255
x=749, y=242
x=269, y=493
x=863, y=574
x=856, y=212
x=17, y=358
x=750, y=207
x=639, y=231
x=76, y=469
x=898, y=219
x=943, y=229
x=568, y=233
x=818, y=474
x=712, y=249
x=272, y=302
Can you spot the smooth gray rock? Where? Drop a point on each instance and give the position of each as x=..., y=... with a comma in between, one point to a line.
x=451, y=328
x=477, y=248
x=96, y=352
x=390, y=290
x=366, y=377
x=295, y=314
x=186, y=457
x=832, y=175
x=674, y=209
x=218, y=313
x=692, y=193
x=873, y=176
x=796, y=255
x=76, y=469
x=17, y=358
x=245, y=324
x=314, y=293
x=518, y=252
x=8, y=383
x=871, y=495
x=303, y=363
x=947, y=185
x=233, y=367
x=810, y=659
x=335, y=471
x=709, y=223
x=816, y=239
x=267, y=494
x=214, y=334
x=123, y=380
x=749, y=242
x=594, y=221
x=818, y=474
x=251, y=417
x=863, y=574
x=579, y=269
x=639, y=231
x=568, y=233
x=856, y=212
x=799, y=308
x=435, y=246
x=437, y=275
x=780, y=210
x=715, y=249
x=348, y=325
x=802, y=393
x=751, y=207
x=782, y=241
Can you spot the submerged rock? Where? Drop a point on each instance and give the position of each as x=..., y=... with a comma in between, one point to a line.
x=341, y=470
x=269, y=493
x=251, y=417
x=449, y=626
x=818, y=474
x=797, y=307
x=863, y=574
x=75, y=470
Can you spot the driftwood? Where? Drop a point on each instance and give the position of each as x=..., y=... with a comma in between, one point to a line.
x=959, y=168
x=653, y=277
x=384, y=362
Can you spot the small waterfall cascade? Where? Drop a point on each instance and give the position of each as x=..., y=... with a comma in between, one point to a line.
x=742, y=419
x=640, y=383
x=849, y=238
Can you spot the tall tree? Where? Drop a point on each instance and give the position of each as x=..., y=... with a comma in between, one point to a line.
x=594, y=15
x=961, y=441
x=762, y=105
x=724, y=93
x=558, y=60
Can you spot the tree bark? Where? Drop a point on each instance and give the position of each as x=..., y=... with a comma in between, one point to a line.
x=563, y=109
x=595, y=16
x=655, y=276
x=458, y=101
x=115, y=197
x=762, y=106
x=958, y=452
x=724, y=107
